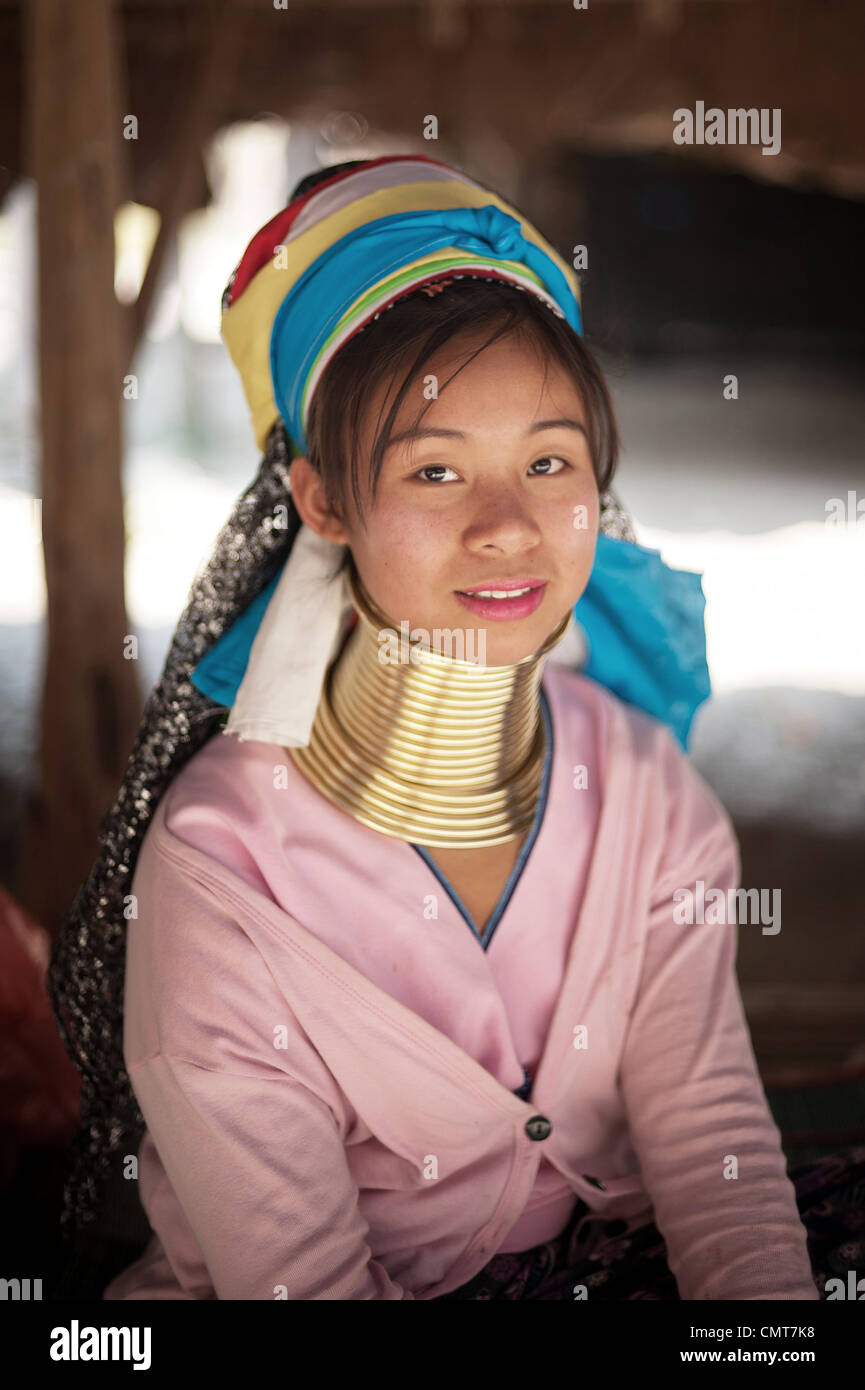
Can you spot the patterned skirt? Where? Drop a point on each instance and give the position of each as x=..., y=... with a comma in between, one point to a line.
x=830, y=1194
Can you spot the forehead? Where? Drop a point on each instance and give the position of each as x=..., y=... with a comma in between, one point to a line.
x=516, y=373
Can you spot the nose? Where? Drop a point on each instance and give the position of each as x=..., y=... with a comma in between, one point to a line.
x=501, y=520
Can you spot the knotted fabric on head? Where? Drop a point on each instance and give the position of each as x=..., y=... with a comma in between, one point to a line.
x=394, y=224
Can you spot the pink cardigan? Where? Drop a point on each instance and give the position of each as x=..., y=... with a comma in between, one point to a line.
x=326, y=1051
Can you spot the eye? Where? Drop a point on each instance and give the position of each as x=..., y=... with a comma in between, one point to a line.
x=550, y=458
x=440, y=468
x=432, y=468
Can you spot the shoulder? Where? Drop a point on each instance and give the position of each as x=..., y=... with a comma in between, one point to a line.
x=622, y=730
x=225, y=777
x=224, y=804
x=641, y=757
x=225, y=769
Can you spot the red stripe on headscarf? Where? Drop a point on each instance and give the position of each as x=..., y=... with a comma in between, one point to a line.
x=260, y=249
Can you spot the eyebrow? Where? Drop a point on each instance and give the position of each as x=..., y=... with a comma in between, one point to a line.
x=429, y=431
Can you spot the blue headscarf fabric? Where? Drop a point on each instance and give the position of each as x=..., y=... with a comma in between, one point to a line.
x=645, y=627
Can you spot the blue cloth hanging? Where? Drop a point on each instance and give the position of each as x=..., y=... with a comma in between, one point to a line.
x=219, y=673
x=645, y=627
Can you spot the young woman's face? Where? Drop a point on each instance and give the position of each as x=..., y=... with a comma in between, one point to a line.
x=488, y=492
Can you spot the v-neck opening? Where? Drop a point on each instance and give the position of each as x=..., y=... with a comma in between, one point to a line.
x=486, y=936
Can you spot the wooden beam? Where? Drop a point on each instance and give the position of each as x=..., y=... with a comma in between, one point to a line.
x=90, y=704
x=297, y=6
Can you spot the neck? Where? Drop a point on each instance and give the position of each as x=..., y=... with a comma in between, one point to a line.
x=433, y=750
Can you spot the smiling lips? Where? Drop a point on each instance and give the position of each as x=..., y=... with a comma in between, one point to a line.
x=506, y=598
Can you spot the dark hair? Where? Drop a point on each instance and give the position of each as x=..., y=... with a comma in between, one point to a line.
x=410, y=331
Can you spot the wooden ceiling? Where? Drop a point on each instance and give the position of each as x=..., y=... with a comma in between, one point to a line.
x=509, y=82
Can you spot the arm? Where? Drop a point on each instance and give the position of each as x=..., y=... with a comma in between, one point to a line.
x=258, y=1169
x=252, y=1149
x=690, y=1081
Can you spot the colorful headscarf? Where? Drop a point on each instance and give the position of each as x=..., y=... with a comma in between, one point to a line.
x=334, y=258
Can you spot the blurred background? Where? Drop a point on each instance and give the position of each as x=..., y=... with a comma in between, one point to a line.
x=143, y=144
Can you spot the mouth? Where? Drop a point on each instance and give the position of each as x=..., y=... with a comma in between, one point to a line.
x=509, y=599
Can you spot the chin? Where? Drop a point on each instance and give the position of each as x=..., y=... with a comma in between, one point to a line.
x=516, y=652
x=507, y=649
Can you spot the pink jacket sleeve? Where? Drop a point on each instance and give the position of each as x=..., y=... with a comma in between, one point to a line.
x=252, y=1150
x=690, y=1082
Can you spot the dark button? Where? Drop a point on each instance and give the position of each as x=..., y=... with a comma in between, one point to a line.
x=615, y=1228
x=538, y=1127
x=596, y=1182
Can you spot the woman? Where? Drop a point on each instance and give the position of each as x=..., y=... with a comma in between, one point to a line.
x=406, y=990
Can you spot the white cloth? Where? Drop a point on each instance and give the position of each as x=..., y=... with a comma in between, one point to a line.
x=300, y=633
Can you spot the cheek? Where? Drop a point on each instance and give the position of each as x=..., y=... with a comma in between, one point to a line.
x=412, y=528
x=570, y=526
x=404, y=542
x=408, y=528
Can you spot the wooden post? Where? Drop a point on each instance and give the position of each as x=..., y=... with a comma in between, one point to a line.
x=90, y=698
x=198, y=104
